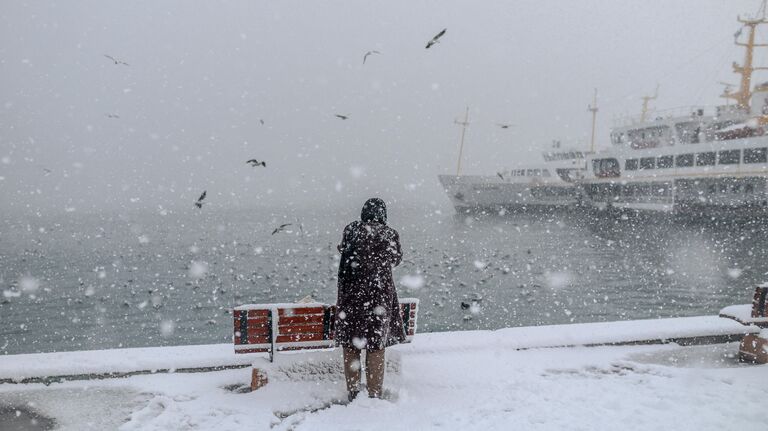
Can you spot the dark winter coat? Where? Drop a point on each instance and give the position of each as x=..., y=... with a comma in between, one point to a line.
x=368, y=312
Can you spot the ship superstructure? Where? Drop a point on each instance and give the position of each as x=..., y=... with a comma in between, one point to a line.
x=696, y=160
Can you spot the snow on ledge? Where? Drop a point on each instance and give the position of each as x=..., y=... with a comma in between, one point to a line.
x=583, y=334
x=132, y=360
x=150, y=359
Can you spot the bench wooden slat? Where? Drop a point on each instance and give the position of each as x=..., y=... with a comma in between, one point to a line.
x=302, y=345
x=259, y=331
x=300, y=310
x=258, y=339
x=299, y=337
x=301, y=329
x=301, y=319
x=258, y=313
x=253, y=350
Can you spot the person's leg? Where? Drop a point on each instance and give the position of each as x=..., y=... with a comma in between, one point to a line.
x=374, y=372
x=352, y=371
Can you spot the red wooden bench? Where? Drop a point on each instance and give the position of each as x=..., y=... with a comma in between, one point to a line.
x=279, y=327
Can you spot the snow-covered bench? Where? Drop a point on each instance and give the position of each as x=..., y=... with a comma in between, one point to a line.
x=754, y=347
x=272, y=328
x=277, y=327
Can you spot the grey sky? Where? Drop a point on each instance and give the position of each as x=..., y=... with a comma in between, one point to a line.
x=202, y=74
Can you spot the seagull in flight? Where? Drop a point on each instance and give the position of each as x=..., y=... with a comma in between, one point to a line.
x=199, y=202
x=112, y=115
x=343, y=117
x=281, y=228
x=369, y=53
x=261, y=121
x=254, y=163
x=504, y=126
x=435, y=39
x=116, y=60
x=500, y=175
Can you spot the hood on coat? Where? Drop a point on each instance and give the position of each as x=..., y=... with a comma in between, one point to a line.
x=374, y=209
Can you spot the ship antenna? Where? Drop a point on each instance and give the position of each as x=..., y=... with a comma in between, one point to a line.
x=646, y=99
x=593, y=109
x=744, y=94
x=463, y=125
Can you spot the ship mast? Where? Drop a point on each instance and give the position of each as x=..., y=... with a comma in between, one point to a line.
x=463, y=125
x=593, y=109
x=647, y=99
x=744, y=94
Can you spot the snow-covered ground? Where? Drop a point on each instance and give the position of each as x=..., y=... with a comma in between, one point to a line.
x=459, y=380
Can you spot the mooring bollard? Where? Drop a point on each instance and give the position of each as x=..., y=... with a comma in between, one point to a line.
x=258, y=378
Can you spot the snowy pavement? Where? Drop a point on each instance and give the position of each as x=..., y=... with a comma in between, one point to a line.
x=476, y=385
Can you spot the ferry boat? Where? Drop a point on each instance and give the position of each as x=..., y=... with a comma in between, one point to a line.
x=542, y=186
x=699, y=161
x=548, y=185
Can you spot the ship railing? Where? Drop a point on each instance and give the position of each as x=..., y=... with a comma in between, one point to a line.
x=692, y=111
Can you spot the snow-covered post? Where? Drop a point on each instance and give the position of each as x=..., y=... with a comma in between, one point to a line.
x=754, y=347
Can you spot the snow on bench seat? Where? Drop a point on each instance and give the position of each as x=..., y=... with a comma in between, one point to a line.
x=751, y=314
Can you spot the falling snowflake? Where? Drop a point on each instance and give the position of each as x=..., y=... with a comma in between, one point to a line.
x=359, y=342
x=167, y=327
x=412, y=282
x=198, y=269
x=557, y=280
x=29, y=284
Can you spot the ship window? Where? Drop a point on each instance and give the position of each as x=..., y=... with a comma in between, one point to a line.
x=647, y=163
x=664, y=162
x=684, y=160
x=730, y=157
x=756, y=155
x=606, y=168
x=630, y=165
x=705, y=159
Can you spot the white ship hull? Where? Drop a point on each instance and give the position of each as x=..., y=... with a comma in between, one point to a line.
x=477, y=192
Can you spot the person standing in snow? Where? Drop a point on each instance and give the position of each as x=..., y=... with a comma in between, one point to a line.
x=367, y=309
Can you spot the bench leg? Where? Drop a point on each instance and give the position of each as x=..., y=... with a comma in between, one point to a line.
x=258, y=378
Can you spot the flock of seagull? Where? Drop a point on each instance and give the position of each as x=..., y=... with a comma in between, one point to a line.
x=256, y=163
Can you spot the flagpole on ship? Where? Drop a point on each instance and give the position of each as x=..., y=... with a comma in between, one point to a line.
x=463, y=125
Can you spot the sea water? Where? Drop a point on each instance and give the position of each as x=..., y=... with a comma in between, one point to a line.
x=89, y=281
